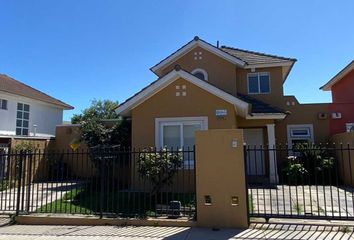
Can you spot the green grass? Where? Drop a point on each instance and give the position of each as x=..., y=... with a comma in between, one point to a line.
x=135, y=204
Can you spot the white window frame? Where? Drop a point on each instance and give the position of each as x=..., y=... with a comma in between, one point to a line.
x=259, y=82
x=22, y=119
x=160, y=122
x=1, y=104
x=180, y=121
x=200, y=70
x=308, y=127
x=349, y=127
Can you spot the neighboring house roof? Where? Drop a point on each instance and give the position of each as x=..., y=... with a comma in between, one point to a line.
x=243, y=107
x=258, y=106
x=338, y=76
x=257, y=58
x=192, y=44
x=12, y=86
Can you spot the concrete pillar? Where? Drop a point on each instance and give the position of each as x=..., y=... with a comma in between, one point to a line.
x=220, y=179
x=273, y=173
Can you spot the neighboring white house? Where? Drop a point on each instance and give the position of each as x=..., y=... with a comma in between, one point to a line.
x=27, y=112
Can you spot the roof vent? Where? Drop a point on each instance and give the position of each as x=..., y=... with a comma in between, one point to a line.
x=196, y=38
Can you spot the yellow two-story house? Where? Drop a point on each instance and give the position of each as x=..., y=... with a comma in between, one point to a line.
x=201, y=86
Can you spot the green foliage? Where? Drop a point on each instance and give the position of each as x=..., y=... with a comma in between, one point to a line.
x=26, y=146
x=159, y=167
x=311, y=162
x=99, y=109
x=295, y=170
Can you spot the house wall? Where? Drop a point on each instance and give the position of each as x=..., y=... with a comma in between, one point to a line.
x=165, y=103
x=342, y=91
x=45, y=116
x=346, y=110
x=221, y=73
x=344, y=143
x=275, y=97
x=343, y=102
x=303, y=114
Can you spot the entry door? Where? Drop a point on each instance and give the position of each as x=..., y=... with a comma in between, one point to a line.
x=253, y=138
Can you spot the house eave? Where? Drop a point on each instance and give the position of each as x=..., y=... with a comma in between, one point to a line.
x=274, y=116
x=196, y=42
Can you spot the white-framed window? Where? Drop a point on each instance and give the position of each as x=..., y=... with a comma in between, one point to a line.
x=22, y=119
x=3, y=104
x=349, y=127
x=258, y=83
x=200, y=73
x=178, y=133
x=300, y=133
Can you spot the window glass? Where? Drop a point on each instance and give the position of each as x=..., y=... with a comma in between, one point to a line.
x=199, y=75
x=300, y=132
x=26, y=107
x=253, y=86
x=19, y=106
x=3, y=104
x=264, y=83
x=189, y=135
x=22, y=119
x=172, y=136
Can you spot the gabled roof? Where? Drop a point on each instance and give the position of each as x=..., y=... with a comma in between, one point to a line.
x=156, y=86
x=338, y=76
x=192, y=44
x=252, y=58
x=12, y=86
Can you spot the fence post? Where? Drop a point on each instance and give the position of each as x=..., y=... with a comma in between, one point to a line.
x=29, y=172
x=19, y=176
x=102, y=184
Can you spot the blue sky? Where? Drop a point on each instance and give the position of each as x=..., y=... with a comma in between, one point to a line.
x=82, y=50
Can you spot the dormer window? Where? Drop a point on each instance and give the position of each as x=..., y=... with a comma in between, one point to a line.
x=258, y=83
x=200, y=73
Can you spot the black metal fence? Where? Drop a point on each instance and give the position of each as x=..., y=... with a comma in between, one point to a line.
x=106, y=182
x=307, y=181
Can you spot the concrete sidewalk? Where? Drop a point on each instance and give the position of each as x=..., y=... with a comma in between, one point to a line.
x=256, y=231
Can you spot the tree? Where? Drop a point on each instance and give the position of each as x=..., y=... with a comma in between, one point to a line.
x=100, y=136
x=94, y=131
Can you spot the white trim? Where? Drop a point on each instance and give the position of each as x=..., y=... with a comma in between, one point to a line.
x=259, y=83
x=265, y=65
x=266, y=116
x=201, y=71
x=124, y=110
x=273, y=175
x=299, y=126
x=191, y=45
x=338, y=77
x=174, y=121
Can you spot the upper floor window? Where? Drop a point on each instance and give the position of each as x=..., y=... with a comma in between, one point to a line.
x=22, y=119
x=258, y=83
x=3, y=104
x=200, y=73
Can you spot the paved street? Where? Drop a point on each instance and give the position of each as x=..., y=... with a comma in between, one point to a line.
x=313, y=200
x=256, y=231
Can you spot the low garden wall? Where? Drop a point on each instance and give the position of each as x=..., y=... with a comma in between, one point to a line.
x=345, y=142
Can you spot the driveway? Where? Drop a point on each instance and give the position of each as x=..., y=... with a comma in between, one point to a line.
x=303, y=200
x=257, y=231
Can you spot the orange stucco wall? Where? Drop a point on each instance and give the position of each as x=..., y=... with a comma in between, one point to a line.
x=164, y=104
